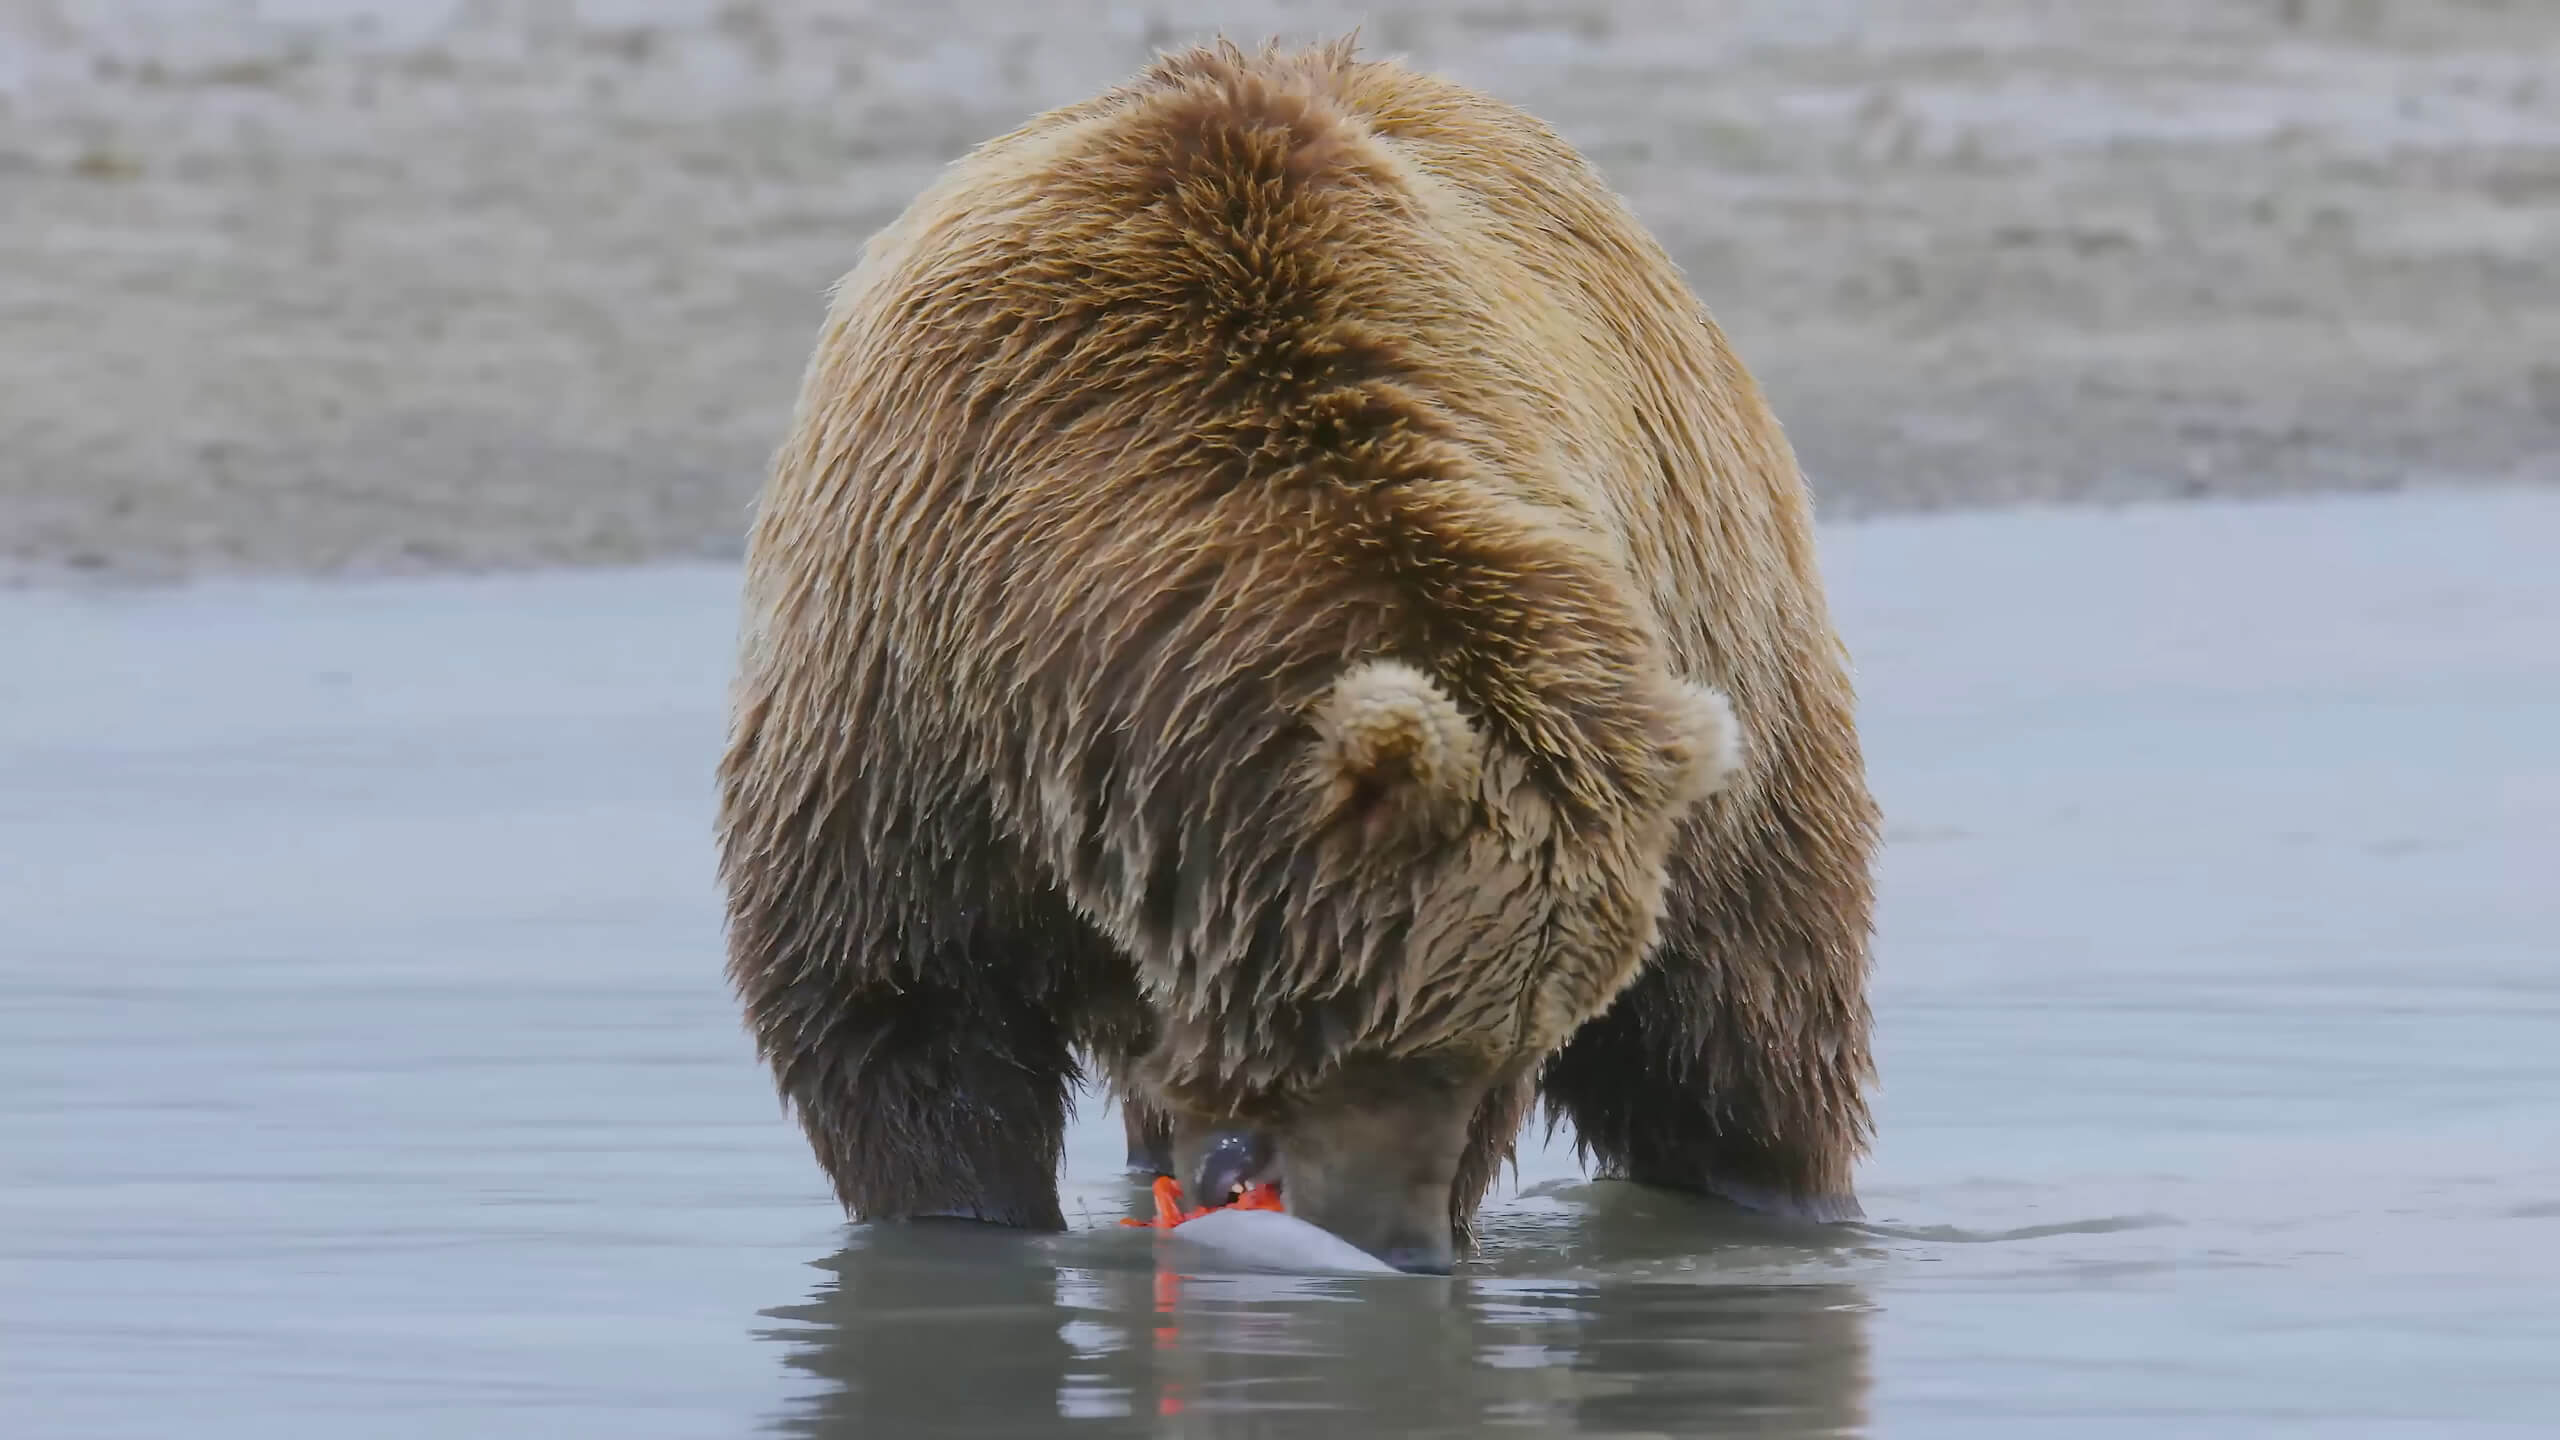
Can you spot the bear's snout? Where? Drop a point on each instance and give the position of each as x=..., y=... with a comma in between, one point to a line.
x=1376, y=1162
x=1231, y=1162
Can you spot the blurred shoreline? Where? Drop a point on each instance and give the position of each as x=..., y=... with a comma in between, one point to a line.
x=369, y=286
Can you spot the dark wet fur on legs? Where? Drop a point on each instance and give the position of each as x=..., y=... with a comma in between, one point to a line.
x=1150, y=1137
x=1737, y=1064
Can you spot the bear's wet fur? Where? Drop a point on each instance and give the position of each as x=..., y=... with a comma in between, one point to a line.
x=1277, y=588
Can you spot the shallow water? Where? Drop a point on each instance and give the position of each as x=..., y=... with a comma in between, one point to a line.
x=365, y=1067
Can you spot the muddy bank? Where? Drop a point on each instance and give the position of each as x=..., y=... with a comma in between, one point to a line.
x=371, y=284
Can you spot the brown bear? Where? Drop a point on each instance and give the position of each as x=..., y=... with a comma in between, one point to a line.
x=1276, y=588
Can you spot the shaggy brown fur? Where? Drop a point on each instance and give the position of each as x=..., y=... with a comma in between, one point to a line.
x=1250, y=597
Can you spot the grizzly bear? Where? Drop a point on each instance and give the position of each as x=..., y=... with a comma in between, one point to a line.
x=1276, y=589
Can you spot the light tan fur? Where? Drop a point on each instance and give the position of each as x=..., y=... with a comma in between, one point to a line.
x=1274, y=577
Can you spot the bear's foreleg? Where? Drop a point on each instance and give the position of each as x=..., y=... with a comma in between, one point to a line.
x=1685, y=1084
x=934, y=1100
x=1150, y=1136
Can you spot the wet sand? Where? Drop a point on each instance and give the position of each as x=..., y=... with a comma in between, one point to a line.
x=368, y=285
x=366, y=1070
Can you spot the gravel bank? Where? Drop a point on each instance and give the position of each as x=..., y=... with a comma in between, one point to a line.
x=402, y=285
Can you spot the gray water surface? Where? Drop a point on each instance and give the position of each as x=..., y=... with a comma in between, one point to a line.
x=366, y=1070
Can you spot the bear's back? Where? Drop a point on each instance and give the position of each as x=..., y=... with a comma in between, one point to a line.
x=1292, y=303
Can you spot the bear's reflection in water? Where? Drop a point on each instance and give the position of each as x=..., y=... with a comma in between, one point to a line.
x=1594, y=1324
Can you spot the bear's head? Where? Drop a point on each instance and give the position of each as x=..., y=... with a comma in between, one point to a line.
x=1361, y=1015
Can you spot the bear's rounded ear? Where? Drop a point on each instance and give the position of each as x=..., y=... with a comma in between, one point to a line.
x=1388, y=738
x=1706, y=742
